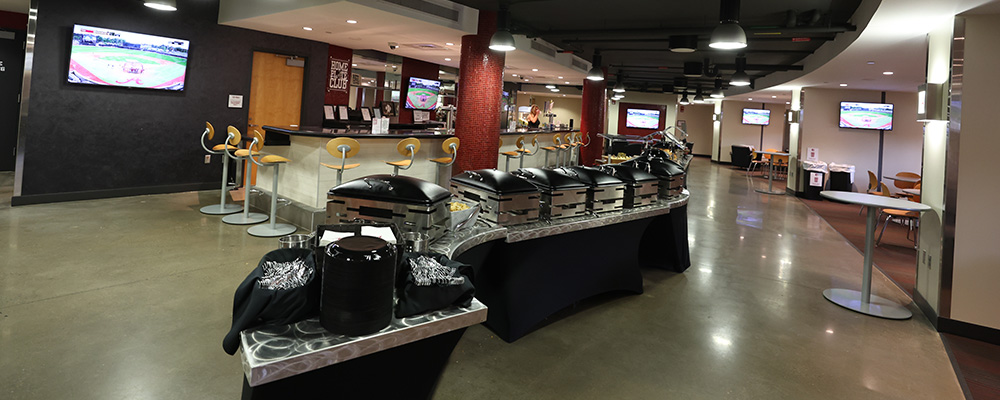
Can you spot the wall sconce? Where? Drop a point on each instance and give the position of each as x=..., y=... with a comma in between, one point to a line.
x=794, y=116
x=716, y=117
x=932, y=102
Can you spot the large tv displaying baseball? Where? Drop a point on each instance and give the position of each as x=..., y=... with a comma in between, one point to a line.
x=642, y=119
x=109, y=57
x=755, y=116
x=422, y=94
x=877, y=116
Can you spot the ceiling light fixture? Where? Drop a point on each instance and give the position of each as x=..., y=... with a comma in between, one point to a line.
x=559, y=77
x=698, y=98
x=683, y=43
x=596, y=72
x=887, y=73
x=449, y=44
x=447, y=59
x=680, y=83
x=692, y=69
x=684, y=99
x=843, y=84
x=162, y=5
x=740, y=78
x=554, y=89
x=351, y=21
x=306, y=28
x=620, y=85
x=728, y=35
x=502, y=40
x=717, y=92
x=550, y=86
x=534, y=70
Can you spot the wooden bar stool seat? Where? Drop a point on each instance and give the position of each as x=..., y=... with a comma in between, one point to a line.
x=222, y=208
x=407, y=147
x=528, y=153
x=516, y=153
x=247, y=217
x=555, y=148
x=450, y=147
x=342, y=148
x=272, y=229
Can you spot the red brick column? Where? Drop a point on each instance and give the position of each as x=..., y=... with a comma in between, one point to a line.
x=593, y=119
x=477, y=121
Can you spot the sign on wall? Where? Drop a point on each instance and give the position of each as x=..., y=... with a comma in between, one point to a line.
x=340, y=73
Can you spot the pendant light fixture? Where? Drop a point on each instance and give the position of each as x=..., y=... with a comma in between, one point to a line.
x=728, y=35
x=740, y=78
x=596, y=71
x=692, y=69
x=502, y=40
x=717, y=92
x=698, y=97
x=684, y=99
x=683, y=43
x=162, y=5
x=620, y=85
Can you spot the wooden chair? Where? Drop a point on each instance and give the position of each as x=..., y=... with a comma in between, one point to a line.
x=342, y=148
x=756, y=160
x=780, y=165
x=247, y=217
x=272, y=229
x=912, y=219
x=406, y=147
x=905, y=185
x=230, y=144
x=516, y=153
x=450, y=147
x=528, y=153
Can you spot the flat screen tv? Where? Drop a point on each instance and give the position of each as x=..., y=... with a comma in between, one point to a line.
x=108, y=57
x=755, y=116
x=642, y=119
x=422, y=94
x=866, y=115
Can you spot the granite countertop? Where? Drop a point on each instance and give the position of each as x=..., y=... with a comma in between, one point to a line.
x=316, y=131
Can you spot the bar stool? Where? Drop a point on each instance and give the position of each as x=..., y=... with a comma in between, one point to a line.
x=247, y=217
x=556, y=141
x=272, y=229
x=406, y=147
x=450, y=147
x=222, y=208
x=571, y=147
x=516, y=153
x=342, y=148
x=528, y=153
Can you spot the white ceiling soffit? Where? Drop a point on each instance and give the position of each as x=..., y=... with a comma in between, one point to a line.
x=548, y=59
x=895, y=40
x=18, y=6
x=421, y=28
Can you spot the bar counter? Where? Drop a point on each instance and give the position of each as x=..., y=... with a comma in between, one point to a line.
x=536, y=160
x=304, y=180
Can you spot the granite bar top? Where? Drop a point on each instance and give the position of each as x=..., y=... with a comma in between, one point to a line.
x=535, y=131
x=316, y=131
x=275, y=352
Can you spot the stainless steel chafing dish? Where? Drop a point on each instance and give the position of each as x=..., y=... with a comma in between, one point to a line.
x=412, y=204
x=503, y=198
x=604, y=192
x=562, y=197
x=641, y=187
x=672, y=176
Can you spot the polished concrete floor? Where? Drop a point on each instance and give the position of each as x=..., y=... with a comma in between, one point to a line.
x=129, y=299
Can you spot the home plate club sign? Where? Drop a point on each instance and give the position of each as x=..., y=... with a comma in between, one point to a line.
x=340, y=75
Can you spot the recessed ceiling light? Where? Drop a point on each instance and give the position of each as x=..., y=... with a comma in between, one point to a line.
x=351, y=21
x=513, y=74
x=354, y=65
x=307, y=28
x=555, y=90
x=449, y=44
x=567, y=82
x=749, y=98
x=534, y=70
x=560, y=77
x=447, y=59
x=788, y=102
x=871, y=63
x=774, y=97
x=550, y=86
x=527, y=80
x=887, y=73
x=843, y=84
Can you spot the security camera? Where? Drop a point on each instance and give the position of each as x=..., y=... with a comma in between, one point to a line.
x=393, y=45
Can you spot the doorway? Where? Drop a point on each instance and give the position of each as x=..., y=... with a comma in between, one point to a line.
x=275, y=94
x=11, y=71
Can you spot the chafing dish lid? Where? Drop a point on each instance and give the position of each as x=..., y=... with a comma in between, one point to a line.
x=398, y=189
x=656, y=167
x=590, y=176
x=628, y=173
x=549, y=180
x=494, y=181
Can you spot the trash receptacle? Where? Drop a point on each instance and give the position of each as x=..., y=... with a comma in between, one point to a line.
x=814, y=176
x=842, y=177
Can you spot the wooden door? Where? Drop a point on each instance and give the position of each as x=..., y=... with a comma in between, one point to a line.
x=275, y=94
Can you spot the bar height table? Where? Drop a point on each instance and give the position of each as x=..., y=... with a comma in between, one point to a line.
x=770, y=172
x=864, y=301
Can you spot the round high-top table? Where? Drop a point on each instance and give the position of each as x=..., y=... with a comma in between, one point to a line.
x=903, y=178
x=770, y=172
x=864, y=301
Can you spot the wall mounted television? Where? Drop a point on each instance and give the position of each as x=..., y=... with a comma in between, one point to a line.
x=755, y=116
x=642, y=119
x=876, y=116
x=422, y=94
x=108, y=57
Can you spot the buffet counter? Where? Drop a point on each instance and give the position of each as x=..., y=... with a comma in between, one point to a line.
x=306, y=181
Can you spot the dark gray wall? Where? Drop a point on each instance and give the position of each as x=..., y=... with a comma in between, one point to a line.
x=107, y=141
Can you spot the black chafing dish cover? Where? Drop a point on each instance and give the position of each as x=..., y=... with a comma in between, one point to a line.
x=549, y=181
x=494, y=181
x=591, y=176
x=397, y=189
x=659, y=167
x=628, y=173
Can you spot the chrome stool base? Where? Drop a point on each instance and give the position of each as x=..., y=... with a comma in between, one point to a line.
x=220, y=209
